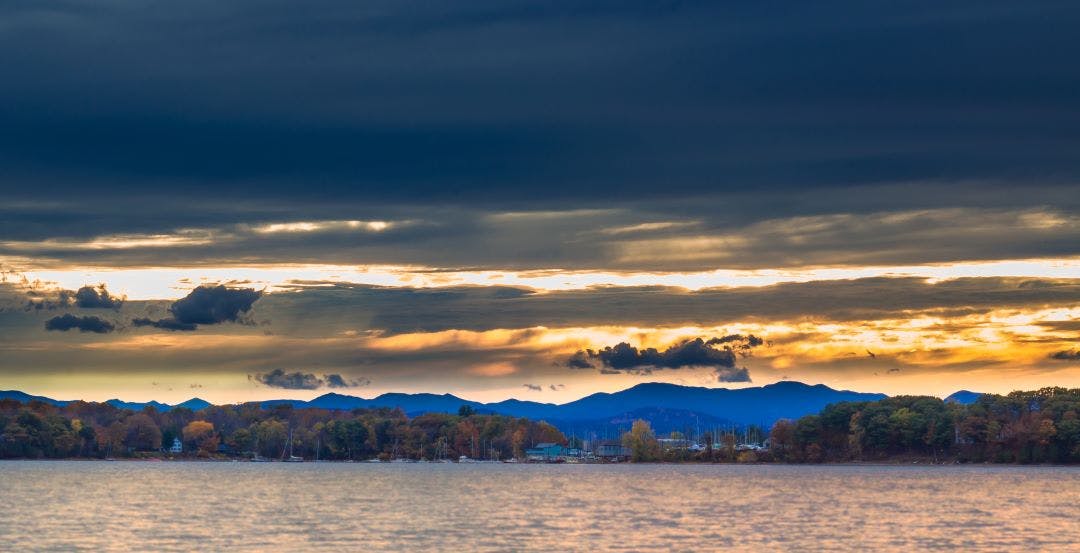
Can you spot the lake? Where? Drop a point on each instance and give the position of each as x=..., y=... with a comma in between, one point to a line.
x=185, y=506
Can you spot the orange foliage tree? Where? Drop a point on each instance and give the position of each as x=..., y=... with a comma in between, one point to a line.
x=200, y=435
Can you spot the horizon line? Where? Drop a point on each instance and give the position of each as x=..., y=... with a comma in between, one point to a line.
x=332, y=392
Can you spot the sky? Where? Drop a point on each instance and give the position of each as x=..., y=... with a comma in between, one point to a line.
x=541, y=200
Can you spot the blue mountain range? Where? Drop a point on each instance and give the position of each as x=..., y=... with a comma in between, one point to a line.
x=195, y=404
x=679, y=404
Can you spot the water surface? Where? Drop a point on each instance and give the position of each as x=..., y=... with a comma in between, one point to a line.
x=119, y=506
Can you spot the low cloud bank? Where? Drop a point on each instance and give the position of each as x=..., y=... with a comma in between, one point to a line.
x=719, y=353
x=1066, y=355
x=66, y=322
x=297, y=380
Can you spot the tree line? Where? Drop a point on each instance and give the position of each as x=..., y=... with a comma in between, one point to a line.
x=98, y=430
x=1041, y=426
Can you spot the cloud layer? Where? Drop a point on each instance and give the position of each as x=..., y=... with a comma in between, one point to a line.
x=407, y=142
x=403, y=309
x=565, y=110
x=812, y=140
x=665, y=237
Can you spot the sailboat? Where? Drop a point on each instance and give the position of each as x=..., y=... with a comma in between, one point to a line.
x=292, y=458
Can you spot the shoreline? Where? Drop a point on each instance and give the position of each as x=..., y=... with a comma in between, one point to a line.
x=688, y=463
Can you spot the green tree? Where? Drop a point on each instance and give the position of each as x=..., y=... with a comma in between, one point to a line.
x=808, y=439
x=241, y=440
x=348, y=438
x=270, y=437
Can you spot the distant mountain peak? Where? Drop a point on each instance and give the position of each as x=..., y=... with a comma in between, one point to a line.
x=790, y=384
x=137, y=406
x=658, y=386
x=195, y=404
x=963, y=397
x=335, y=395
x=27, y=398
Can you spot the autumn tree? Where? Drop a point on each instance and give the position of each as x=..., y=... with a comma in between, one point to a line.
x=727, y=443
x=782, y=439
x=517, y=442
x=142, y=433
x=545, y=432
x=642, y=442
x=200, y=435
x=111, y=438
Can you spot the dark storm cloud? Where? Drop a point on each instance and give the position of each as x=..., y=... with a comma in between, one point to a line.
x=720, y=354
x=338, y=381
x=733, y=111
x=214, y=304
x=90, y=297
x=278, y=378
x=733, y=374
x=205, y=305
x=579, y=360
x=297, y=380
x=737, y=342
x=83, y=324
x=1066, y=355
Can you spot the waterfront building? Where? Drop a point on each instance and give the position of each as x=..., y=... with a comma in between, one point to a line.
x=545, y=452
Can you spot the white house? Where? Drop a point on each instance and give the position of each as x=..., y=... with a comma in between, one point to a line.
x=177, y=446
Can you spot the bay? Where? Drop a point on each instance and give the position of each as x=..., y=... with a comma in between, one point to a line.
x=207, y=506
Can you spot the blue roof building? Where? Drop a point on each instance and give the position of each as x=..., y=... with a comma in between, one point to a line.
x=545, y=452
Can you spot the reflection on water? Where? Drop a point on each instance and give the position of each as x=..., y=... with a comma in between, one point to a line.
x=95, y=506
